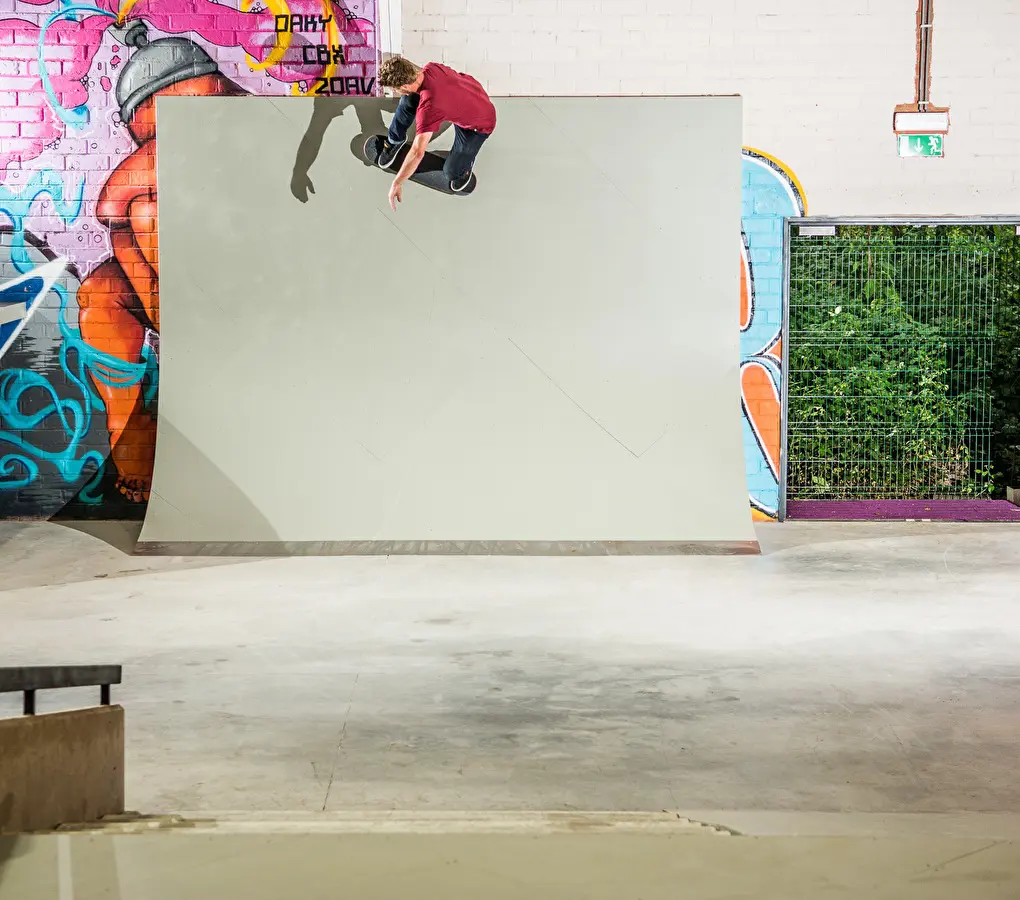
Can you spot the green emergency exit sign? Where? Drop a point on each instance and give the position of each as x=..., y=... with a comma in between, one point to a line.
x=932, y=145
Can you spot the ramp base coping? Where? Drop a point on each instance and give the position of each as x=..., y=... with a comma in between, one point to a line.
x=447, y=548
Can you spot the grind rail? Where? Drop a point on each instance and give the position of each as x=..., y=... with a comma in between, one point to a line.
x=29, y=679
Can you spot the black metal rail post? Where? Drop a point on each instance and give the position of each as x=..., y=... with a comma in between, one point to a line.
x=29, y=679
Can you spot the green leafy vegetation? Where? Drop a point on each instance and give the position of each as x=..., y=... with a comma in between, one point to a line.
x=904, y=362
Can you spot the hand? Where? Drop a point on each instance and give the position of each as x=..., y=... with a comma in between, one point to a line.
x=301, y=186
x=396, y=194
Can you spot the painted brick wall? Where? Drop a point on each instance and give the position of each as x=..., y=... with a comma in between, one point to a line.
x=820, y=82
x=79, y=347
x=79, y=367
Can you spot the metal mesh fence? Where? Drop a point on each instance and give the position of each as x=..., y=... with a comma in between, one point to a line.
x=890, y=351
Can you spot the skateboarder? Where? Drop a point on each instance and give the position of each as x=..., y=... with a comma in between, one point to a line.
x=430, y=96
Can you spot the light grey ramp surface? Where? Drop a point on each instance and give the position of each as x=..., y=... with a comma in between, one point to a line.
x=548, y=365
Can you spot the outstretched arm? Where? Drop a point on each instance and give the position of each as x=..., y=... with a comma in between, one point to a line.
x=411, y=163
x=414, y=156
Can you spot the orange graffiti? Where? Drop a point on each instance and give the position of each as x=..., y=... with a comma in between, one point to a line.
x=745, y=291
x=119, y=300
x=763, y=410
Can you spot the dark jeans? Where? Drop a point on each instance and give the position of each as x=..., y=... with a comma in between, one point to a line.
x=466, y=143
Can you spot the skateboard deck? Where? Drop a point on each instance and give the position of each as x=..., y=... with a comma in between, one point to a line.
x=429, y=172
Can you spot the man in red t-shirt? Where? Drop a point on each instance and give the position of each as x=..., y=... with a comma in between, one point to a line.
x=431, y=96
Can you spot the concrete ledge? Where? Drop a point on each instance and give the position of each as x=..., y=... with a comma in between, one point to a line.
x=721, y=823
x=61, y=767
x=561, y=866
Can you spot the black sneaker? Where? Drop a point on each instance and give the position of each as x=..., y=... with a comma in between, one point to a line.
x=458, y=184
x=389, y=152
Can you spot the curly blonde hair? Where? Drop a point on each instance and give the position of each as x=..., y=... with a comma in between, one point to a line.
x=396, y=71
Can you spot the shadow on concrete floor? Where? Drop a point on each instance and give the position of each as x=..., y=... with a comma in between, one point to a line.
x=11, y=847
x=120, y=535
x=40, y=553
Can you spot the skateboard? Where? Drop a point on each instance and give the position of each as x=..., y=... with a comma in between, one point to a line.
x=429, y=172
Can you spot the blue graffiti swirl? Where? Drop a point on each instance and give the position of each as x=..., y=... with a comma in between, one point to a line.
x=78, y=117
x=21, y=468
x=73, y=418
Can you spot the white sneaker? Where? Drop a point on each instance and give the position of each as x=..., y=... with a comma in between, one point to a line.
x=458, y=186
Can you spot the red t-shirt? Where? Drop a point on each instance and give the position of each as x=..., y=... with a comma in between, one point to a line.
x=449, y=96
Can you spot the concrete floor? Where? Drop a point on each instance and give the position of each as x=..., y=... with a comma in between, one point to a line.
x=867, y=668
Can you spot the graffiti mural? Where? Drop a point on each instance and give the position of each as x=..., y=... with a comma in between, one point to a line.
x=770, y=193
x=79, y=267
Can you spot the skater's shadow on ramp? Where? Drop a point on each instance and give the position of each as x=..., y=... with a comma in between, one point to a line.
x=369, y=111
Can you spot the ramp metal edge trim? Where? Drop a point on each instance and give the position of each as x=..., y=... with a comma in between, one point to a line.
x=447, y=548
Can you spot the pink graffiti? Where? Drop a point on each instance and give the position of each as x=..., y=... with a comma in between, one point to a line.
x=254, y=31
x=26, y=128
x=29, y=122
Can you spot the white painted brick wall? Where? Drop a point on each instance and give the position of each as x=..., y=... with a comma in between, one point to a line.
x=819, y=79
